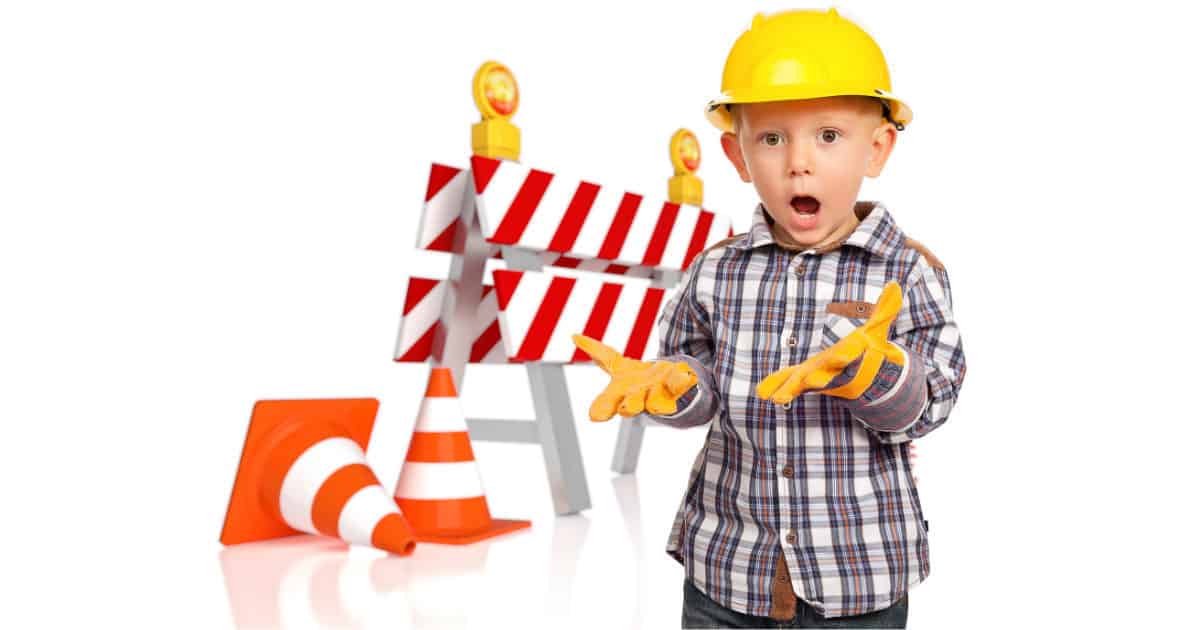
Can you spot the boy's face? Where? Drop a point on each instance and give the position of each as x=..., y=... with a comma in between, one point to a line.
x=807, y=158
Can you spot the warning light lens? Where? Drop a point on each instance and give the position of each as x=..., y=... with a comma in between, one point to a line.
x=689, y=152
x=500, y=89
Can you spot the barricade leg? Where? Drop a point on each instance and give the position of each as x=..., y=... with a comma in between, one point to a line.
x=629, y=439
x=629, y=445
x=556, y=432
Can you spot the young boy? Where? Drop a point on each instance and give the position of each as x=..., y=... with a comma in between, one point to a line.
x=819, y=344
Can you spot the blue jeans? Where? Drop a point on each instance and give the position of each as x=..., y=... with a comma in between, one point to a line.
x=700, y=611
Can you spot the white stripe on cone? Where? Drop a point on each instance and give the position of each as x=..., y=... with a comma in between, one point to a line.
x=440, y=415
x=362, y=512
x=448, y=480
x=306, y=475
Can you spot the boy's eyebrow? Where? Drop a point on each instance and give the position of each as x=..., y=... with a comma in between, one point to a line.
x=840, y=119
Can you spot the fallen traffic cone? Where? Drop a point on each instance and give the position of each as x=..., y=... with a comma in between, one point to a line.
x=304, y=469
x=440, y=490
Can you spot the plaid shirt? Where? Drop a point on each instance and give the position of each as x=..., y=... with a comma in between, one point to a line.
x=818, y=492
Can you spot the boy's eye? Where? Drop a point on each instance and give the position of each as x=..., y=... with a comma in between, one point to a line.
x=772, y=139
x=829, y=136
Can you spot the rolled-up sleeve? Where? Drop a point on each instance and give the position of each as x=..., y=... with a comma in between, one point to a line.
x=920, y=397
x=685, y=334
x=898, y=395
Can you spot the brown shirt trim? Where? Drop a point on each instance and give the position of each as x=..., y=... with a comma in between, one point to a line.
x=783, y=598
x=850, y=309
x=933, y=261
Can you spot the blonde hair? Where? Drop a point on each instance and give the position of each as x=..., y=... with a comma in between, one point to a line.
x=735, y=116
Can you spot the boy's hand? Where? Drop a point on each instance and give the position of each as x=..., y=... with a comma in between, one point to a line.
x=636, y=385
x=868, y=341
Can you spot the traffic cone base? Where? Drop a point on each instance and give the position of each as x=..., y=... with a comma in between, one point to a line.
x=303, y=470
x=440, y=520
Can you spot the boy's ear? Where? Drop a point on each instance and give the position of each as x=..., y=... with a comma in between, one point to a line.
x=883, y=141
x=733, y=151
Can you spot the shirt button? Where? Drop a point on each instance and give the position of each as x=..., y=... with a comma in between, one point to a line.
x=791, y=341
x=787, y=405
x=787, y=471
x=791, y=538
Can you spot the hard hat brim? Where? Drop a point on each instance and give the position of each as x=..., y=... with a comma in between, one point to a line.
x=720, y=117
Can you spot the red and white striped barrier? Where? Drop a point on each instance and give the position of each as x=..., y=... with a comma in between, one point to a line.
x=422, y=309
x=575, y=223
x=539, y=312
x=539, y=211
x=566, y=222
x=443, y=207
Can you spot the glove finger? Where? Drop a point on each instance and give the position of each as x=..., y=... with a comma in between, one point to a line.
x=886, y=310
x=658, y=372
x=833, y=360
x=771, y=383
x=604, y=356
x=797, y=382
x=634, y=403
x=893, y=353
x=680, y=379
x=604, y=407
x=821, y=377
x=844, y=352
x=660, y=401
x=767, y=387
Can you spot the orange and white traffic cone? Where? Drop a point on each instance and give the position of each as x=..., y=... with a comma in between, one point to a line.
x=440, y=490
x=304, y=470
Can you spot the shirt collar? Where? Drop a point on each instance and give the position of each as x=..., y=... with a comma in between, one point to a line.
x=876, y=233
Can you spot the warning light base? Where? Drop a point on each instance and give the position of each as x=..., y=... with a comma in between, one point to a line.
x=496, y=138
x=686, y=189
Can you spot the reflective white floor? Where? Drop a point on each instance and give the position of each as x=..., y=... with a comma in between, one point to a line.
x=592, y=570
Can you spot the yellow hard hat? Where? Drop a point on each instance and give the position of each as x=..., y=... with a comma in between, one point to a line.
x=804, y=54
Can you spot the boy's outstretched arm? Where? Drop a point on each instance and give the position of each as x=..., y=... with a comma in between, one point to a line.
x=899, y=387
x=685, y=334
x=908, y=401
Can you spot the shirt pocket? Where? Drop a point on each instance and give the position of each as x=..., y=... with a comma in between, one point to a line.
x=842, y=318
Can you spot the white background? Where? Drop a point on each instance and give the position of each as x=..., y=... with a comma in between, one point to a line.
x=209, y=203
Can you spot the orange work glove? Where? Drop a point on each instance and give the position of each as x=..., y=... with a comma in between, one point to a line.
x=868, y=341
x=636, y=386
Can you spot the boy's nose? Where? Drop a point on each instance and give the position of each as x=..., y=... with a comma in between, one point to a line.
x=799, y=161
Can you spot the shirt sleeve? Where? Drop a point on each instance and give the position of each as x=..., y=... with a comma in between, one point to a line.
x=896, y=396
x=685, y=334
x=919, y=398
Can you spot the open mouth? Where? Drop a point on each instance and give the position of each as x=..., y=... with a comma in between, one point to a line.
x=805, y=204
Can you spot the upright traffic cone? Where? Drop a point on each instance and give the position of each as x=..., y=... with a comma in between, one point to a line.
x=440, y=490
x=304, y=469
